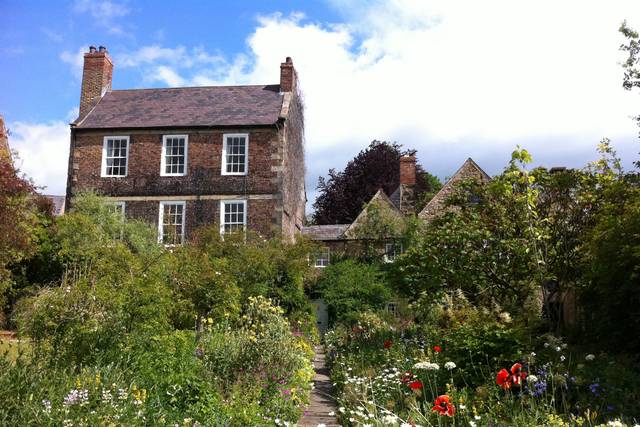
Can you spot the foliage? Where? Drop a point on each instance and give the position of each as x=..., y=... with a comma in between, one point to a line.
x=611, y=263
x=88, y=233
x=103, y=348
x=631, y=65
x=342, y=196
x=93, y=310
x=272, y=268
x=206, y=283
x=259, y=351
x=351, y=287
x=492, y=249
x=21, y=212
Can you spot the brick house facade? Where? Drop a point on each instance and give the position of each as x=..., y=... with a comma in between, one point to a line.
x=181, y=158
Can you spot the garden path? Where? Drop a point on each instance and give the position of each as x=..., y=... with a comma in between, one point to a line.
x=322, y=401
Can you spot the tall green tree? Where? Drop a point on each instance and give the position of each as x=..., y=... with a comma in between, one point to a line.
x=631, y=65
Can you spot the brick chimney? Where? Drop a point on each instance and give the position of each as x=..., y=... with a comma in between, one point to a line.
x=407, y=184
x=288, y=76
x=96, y=78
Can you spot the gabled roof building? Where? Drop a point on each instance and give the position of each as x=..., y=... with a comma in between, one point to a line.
x=400, y=204
x=182, y=158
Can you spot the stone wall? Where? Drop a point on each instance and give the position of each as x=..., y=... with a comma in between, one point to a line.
x=293, y=190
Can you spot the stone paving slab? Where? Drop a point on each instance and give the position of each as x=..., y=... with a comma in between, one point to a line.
x=322, y=402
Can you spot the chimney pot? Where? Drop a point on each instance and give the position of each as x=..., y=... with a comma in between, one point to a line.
x=408, y=170
x=96, y=79
x=288, y=76
x=557, y=169
x=407, y=184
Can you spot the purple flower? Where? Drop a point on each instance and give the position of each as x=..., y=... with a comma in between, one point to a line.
x=539, y=388
x=595, y=389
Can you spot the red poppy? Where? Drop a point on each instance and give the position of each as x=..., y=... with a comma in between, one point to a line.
x=517, y=374
x=415, y=385
x=388, y=344
x=437, y=348
x=503, y=379
x=443, y=406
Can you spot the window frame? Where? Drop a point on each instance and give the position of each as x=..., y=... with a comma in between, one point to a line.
x=162, y=204
x=398, y=250
x=223, y=203
x=120, y=204
x=103, y=168
x=223, y=169
x=163, y=156
x=324, y=250
x=392, y=307
x=119, y=208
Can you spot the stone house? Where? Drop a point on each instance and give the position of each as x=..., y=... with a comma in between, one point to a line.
x=181, y=158
x=341, y=239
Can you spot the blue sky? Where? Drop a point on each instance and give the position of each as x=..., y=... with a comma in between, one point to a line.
x=450, y=79
x=38, y=32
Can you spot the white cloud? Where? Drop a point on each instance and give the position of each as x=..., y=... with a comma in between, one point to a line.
x=175, y=66
x=451, y=79
x=105, y=13
x=168, y=76
x=456, y=79
x=75, y=60
x=43, y=150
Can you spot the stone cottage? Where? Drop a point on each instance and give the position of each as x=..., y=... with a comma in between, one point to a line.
x=181, y=158
x=344, y=238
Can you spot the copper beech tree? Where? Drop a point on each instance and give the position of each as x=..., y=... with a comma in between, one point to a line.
x=20, y=207
x=343, y=194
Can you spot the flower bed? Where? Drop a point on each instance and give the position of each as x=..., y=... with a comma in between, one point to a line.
x=387, y=375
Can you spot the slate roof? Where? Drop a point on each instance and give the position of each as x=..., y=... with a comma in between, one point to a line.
x=325, y=232
x=186, y=107
x=381, y=198
x=395, y=198
x=469, y=169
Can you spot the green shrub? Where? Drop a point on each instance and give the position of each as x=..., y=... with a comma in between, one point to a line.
x=350, y=287
x=92, y=311
x=260, y=356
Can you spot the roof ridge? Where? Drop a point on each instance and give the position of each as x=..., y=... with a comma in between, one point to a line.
x=449, y=182
x=190, y=87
